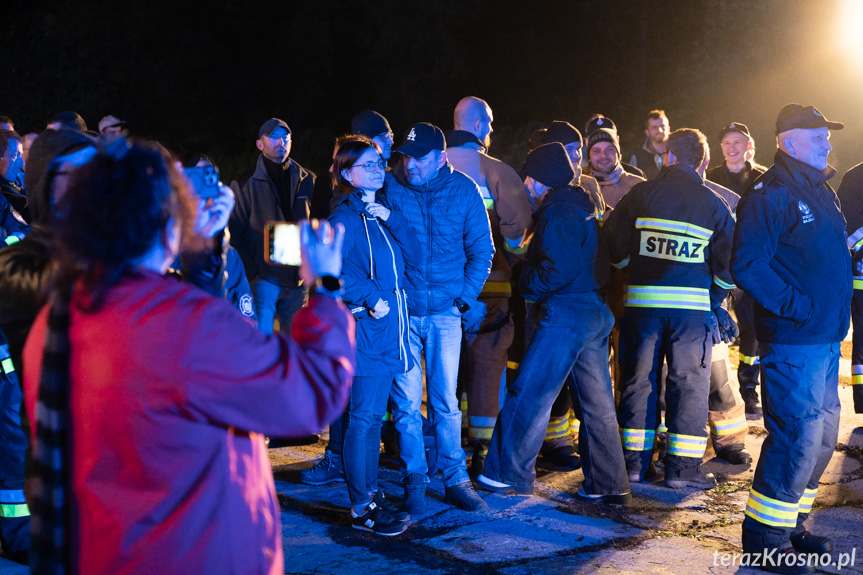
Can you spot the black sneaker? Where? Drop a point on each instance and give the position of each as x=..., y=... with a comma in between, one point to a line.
x=463, y=496
x=415, y=494
x=391, y=509
x=610, y=498
x=377, y=521
x=327, y=470
x=807, y=543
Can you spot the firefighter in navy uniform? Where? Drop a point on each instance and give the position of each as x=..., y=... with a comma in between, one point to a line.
x=738, y=174
x=850, y=194
x=673, y=235
x=791, y=256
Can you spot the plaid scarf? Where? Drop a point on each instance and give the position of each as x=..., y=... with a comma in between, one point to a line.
x=50, y=521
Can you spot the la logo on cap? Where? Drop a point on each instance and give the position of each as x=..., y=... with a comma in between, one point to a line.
x=412, y=136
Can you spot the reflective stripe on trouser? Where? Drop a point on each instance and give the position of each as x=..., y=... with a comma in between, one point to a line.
x=684, y=339
x=727, y=412
x=857, y=346
x=14, y=513
x=486, y=368
x=801, y=414
x=748, y=370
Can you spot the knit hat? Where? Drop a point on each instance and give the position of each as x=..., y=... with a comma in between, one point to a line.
x=602, y=135
x=600, y=122
x=793, y=116
x=369, y=123
x=49, y=145
x=549, y=165
x=420, y=139
x=110, y=122
x=270, y=125
x=563, y=132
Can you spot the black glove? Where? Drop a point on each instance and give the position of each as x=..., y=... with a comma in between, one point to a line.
x=726, y=326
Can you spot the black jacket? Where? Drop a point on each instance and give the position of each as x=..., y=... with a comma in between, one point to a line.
x=791, y=256
x=565, y=255
x=258, y=203
x=738, y=183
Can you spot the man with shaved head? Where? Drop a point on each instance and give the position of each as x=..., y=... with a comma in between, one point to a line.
x=509, y=214
x=790, y=254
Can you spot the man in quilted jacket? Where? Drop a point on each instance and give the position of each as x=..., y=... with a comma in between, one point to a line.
x=445, y=209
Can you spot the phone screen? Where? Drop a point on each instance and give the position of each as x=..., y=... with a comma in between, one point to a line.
x=283, y=243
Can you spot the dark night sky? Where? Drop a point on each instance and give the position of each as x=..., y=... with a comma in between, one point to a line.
x=201, y=77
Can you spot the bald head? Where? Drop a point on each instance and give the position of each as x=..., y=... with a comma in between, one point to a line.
x=474, y=115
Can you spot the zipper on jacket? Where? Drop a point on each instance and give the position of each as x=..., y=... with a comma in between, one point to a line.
x=369, y=240
x=428, y=261
x=399, y=301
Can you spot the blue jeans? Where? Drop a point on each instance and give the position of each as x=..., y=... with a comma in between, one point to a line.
x=572, y=336
x=362, y=444
x=271, y=298
x=800, y=387
x=439, y=338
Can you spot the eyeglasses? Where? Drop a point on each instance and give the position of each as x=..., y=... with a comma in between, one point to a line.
x=371, y=166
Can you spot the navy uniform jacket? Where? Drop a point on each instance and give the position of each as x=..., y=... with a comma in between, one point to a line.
x=790, y=254
x=673, y=235
x=565, y=255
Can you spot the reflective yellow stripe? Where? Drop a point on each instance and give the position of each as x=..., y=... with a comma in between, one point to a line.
x=674, y=226
x=855, y=240
x=7, y=366
x=517, y=251
x=574, y=424
x=557, y=427
x=638, y=439
x=512, y=365
x=497, y=287
x=14, y=510
x=686, y=445
x=856, y=379
x=729, y=426
x=749, y=360
x=622, y=263
x=858, y=283
x=668, y=297
x=489, y=203
x=662, y=428
x=723, y=284
x=807, y=500
x=12, y=240
x=771, y=511
x=480, y=432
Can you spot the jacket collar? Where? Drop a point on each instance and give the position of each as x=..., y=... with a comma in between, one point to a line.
x=791, y=170
x=462, y=138
x=261, y=170
x=443, y=174
x=680, y=170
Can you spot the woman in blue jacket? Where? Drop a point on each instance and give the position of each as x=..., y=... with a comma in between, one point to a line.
x=377, y=246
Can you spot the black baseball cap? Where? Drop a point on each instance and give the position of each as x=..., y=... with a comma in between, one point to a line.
x=807, y=118
x=369, y=124
x=270, y=125
x=420, y=139
x=734, y=127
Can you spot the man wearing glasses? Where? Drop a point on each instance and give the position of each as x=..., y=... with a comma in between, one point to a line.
x=446, y=211
x=279, y=190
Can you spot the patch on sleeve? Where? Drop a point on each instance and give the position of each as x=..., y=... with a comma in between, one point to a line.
x=246, y=305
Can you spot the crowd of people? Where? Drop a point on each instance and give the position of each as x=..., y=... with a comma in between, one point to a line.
x=577, y=296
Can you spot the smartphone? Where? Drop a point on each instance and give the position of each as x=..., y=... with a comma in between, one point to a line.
x=282, y=243
x=205, y=180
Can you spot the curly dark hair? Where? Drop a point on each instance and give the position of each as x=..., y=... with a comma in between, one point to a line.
x=114, y=212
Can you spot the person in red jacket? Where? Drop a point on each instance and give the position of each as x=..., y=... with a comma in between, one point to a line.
x=149, y=400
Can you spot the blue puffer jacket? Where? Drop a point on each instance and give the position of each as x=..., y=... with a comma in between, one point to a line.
x=373, y=267
x=451, y=224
